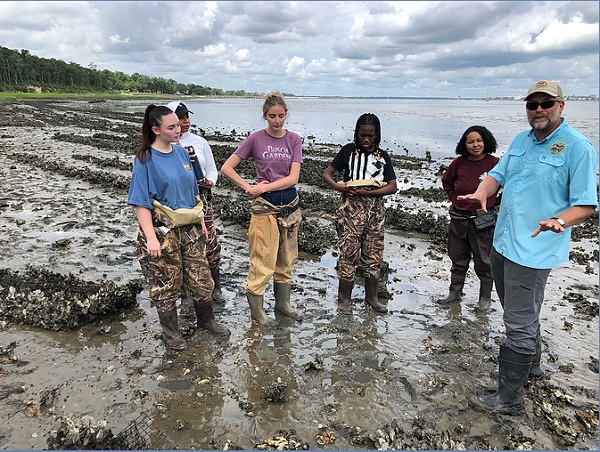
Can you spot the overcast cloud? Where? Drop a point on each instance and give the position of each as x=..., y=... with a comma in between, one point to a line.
x=468, y=49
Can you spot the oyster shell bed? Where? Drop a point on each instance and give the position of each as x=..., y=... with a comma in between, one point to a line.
x=86, y=433
x=81, y=361
x=53, y=301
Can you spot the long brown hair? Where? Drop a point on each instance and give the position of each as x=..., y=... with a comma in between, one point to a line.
x=152, y=117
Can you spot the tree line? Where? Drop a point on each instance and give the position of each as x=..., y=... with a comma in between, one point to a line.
x=20, y=71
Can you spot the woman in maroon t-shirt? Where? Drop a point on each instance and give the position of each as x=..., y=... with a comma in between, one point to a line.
x=463, y=177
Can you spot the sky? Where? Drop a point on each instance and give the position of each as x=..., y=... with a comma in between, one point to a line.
x=355, y=48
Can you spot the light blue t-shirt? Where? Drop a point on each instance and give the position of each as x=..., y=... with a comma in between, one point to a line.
x=541, y=180
x=168, y=178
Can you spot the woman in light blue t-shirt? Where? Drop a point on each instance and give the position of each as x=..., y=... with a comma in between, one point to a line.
x=172, y=256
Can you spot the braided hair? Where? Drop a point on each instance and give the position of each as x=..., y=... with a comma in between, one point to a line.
x=368, y=119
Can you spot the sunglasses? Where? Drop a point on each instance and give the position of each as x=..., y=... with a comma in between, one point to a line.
x=545, y=104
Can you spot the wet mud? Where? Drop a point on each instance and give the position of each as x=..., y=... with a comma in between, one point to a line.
x=82, y=365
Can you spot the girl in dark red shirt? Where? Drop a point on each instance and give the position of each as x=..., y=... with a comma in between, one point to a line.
x=462, y=177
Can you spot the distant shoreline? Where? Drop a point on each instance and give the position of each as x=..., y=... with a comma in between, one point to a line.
x=99, y=97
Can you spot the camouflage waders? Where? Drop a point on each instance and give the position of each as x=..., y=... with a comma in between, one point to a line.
x=213, y=255
x=182, y=264
x=360, y=227
x=213, y=247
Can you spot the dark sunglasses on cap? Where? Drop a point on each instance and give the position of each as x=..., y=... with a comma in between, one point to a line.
x=545, y=104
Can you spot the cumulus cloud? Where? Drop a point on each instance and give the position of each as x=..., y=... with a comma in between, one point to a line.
x=295, y=67
x=116, y=39
x=443, y=48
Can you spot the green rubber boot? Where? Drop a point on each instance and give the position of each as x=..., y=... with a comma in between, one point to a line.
x=257, y=311
x=282, y=300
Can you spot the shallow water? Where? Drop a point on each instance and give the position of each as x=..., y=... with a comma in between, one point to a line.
x=416, y=125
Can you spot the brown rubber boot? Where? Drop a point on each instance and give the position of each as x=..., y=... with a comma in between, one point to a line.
x=171, y=335
x=345, y=296
x=371, y=289
x=217, y=295
x=282, y=300
x=257, y=311
x=206, y=318
x=186, y=309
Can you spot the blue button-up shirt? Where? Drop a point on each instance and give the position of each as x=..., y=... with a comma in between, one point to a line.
x=541, y=180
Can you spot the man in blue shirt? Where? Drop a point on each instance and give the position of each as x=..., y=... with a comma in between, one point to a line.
x=548, y=175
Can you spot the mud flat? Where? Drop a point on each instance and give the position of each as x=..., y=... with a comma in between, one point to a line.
x=82, y=365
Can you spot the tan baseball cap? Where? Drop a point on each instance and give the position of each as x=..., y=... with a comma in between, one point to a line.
x=545, y=86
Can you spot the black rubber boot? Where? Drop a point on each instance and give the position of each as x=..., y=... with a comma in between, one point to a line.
x=455, y=293
x=171, y=335
x=206, y=318
x=186, y=309
x=257, y=311
x=453, y=297
x=483, y=305
x=371, y=297
x=513, y=371
x=535, y=373
x=282, y=300
x=485, y=296
x=345, y=296
x=217, y=295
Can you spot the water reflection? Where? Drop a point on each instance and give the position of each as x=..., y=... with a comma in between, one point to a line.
x=190, y=405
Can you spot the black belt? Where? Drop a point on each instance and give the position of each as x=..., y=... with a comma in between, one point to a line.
x=287, y=211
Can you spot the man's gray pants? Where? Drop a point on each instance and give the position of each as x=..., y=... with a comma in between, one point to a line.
x=521, y=293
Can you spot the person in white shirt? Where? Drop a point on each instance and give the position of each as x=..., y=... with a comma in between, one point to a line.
x=197, y=145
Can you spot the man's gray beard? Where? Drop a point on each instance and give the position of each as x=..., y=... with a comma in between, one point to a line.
x=542, y=127
x=539, y=126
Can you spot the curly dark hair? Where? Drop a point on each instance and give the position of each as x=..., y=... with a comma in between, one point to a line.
x=489, y=142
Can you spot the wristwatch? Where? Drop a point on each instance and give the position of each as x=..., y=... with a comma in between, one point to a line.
x=559, y=221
